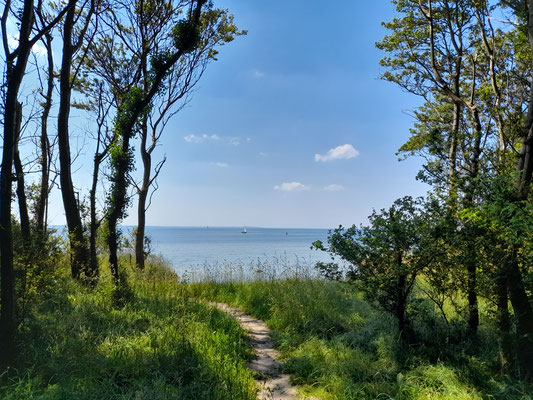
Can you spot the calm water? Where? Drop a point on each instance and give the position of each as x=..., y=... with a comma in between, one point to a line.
x=187, y=248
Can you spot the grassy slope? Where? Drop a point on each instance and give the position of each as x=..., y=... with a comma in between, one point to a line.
x=161, y=345
x=340, y=347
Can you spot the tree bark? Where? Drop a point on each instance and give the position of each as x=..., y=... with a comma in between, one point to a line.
x=15, y=74
x=21, y=187
x=503, y=317
x=452, y=154
x=93, y=226
x=42, y=201
x=471, y=256
x=143, y=195
x=78, y=243
x=523, y=313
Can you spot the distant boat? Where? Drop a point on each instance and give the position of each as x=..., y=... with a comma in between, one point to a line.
x=244, y=230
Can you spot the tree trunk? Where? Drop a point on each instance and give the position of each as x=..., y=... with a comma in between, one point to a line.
x=94, y=224
x=452, y=153
x=471, y=256
x=141, y=225
x=515, y=281
x=523, y=313
x=400, y=308
x=143, y=195
x=21, y=187
x=473, y=310
x=78, y=244
x=503, y=317
x=42, y=201
x=15, y=74
x=118, y=196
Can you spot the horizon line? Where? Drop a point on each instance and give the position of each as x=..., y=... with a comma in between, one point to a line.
x=211, y=226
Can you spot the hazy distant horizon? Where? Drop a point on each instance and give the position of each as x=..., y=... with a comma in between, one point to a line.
x=215, y=226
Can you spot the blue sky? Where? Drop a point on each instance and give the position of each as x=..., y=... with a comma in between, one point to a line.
x=303, y=82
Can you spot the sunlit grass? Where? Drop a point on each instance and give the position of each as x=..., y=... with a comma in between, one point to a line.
x=338, y=346
x=161, y=345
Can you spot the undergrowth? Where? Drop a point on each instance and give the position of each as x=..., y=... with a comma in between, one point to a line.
x=338, y=346
x=161, y=345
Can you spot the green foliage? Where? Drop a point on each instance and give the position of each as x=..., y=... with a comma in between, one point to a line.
x=121, y=155
x=186, y=35
x=338, y=346
x=37, y=268
x=385, y=256
x=160, y=345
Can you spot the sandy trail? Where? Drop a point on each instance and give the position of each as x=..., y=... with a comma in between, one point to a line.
x=275, y=385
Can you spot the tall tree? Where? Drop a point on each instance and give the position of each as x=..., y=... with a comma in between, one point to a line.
x=72, y=42
x=16, y=62
x=132, y=106
x=515, y=280
x=432, y=55
x=216, y=29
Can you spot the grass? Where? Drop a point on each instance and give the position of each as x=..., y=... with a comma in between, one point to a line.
x=338, y=346
x=165, y=344
x=161, y=345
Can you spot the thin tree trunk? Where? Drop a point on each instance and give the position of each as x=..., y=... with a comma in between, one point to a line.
x=122, y=162
x=40, y=209
x=141, y=228
x=452, y=154
x=21, y=187
x=143, y=195
x=400, y=308
x=473, y=310
x=503, y=317
x=15, y=74
x=93, y=226
x=118, y=195
x=523, y=313
x=471, y=262
x=78, y=243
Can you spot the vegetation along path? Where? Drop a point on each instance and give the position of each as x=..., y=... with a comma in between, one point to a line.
x=274, y=384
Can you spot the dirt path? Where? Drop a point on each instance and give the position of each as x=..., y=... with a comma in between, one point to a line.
x=275, y=385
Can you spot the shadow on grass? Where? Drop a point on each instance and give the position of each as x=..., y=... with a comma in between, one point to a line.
x=77, y=346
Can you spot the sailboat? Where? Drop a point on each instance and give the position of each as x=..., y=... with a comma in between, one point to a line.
x=244, y=230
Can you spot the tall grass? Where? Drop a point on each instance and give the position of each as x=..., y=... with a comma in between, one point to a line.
x=160, y=345
x=338, y=346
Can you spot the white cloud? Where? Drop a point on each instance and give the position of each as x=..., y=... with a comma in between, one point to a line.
x=39, y=50
x=201, y=138
x=13, y=43
x=220, y=164
x=333, y=188
x=232, y=140
x=291, y=187
x=257, y=74
x=345, y=151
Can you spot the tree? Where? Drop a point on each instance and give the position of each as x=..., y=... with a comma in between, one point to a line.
x=133, y=105
x=217, y=28
x=449, y=52
x=72, y=43
x=386, y=256
x=16, y=62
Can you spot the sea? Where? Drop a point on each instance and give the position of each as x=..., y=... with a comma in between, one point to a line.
x=200, y=248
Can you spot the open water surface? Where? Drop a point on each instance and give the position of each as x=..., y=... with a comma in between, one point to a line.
x=188, y=248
